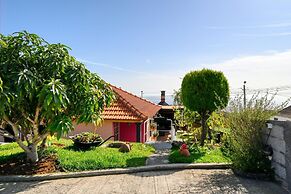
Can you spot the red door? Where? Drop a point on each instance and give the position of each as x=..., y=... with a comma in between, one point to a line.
x=127, y=132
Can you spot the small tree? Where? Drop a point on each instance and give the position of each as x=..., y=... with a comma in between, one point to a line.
x=43, y=88
x=204, y=91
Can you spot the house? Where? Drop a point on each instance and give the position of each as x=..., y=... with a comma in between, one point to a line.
x=284, y=114
x=127, y=119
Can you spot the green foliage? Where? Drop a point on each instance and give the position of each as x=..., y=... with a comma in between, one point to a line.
x=199, y=155
x=93, y=159
x=244, y=141
x=184, y=118
x=10, y=151
x=205, y=91
x=41, y=84
x=190, y=136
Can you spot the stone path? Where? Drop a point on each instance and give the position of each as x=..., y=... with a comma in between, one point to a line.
x=161, y=154
x=158, y=182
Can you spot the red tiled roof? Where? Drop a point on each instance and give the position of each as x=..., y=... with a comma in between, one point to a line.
x=129, y=107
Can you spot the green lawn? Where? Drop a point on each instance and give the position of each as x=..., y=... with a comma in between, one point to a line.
x=199, y=155
x=71, y=159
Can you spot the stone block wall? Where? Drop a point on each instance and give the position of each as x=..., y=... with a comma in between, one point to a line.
x=280, y=140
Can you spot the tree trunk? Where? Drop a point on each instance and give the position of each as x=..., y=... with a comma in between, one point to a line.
x=204, y=128
x=32, y=155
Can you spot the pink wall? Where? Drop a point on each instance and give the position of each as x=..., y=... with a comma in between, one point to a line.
x=105, y=130
x=127, y=130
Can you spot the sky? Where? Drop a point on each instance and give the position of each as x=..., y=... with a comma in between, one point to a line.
x=150, y=45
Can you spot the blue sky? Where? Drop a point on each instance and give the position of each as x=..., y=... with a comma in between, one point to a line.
x=149, y=45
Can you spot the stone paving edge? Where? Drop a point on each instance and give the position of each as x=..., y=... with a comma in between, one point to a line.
x=65, y=175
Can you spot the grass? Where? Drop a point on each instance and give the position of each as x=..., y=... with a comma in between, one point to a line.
x=10, y=151
x=71, y=159
x=199, y=155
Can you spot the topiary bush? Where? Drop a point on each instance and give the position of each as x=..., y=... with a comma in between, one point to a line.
x=204, y=91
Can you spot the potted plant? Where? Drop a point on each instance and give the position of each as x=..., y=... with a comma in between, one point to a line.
x=86, y=140
x=155, y=135
x=153, y=126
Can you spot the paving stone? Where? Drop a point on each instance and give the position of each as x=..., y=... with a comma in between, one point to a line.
x=157, y=182
x=161, y=154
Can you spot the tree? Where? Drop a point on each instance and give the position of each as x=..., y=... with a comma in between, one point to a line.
x=204, y=91
x=43, y=88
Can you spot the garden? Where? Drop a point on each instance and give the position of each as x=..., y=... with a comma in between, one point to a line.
x=43, y=89
x=64, y=156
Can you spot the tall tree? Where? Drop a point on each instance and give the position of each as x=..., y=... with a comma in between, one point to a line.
x=204, y=91
x=43, y=88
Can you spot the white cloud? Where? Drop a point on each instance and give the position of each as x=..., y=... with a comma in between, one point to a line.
x=261, y=71
x=270, y=69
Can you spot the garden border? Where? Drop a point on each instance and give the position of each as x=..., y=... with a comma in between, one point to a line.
x=53, y=176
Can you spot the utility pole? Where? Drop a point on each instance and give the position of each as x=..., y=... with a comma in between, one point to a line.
x=245, y=98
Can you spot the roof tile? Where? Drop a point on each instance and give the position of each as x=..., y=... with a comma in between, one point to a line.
x=129, y=107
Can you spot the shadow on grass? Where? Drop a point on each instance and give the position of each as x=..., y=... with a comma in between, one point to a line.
x=12, y=158
x=135, y=162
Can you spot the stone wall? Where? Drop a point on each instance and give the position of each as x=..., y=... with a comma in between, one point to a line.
x=280, y=140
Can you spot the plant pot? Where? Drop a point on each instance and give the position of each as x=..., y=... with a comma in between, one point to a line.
x=154, y=138
x=185, y=152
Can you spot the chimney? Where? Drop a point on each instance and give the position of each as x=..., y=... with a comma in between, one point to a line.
x=163, y=98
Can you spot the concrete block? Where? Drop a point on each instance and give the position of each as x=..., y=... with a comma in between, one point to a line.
x=277, y=144
x=279, y=158
x=279, y=170
x=278, y=132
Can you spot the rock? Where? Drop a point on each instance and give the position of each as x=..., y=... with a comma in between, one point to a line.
x=125, y=147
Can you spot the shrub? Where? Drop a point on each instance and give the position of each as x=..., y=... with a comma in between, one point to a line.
x=245, y=140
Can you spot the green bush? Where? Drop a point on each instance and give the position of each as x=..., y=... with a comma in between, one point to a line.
x=244, y=141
